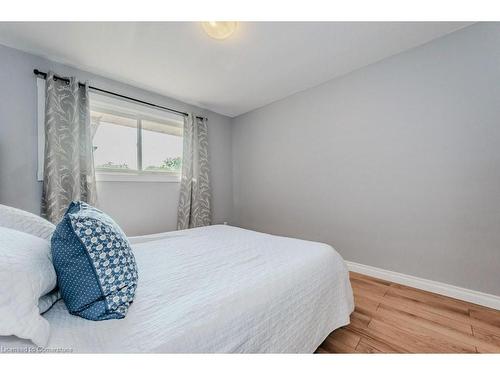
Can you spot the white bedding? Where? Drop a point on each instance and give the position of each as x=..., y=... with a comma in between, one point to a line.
x=219, y=289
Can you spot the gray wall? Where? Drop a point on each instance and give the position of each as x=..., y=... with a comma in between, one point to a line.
x=139, y=207
x=397, y=165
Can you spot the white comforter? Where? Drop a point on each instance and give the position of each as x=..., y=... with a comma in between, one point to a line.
x=219, y=289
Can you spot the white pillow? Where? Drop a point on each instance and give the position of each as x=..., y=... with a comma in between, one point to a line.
x=47, y=301
x=26, y=222
x=26, y=274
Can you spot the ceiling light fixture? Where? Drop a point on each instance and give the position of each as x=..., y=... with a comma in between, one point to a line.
x=219, y=29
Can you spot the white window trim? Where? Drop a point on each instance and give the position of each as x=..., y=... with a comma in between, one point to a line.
x=40, y=86
x=101, y=176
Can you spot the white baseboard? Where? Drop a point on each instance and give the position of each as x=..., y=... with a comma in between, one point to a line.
x=479, y=298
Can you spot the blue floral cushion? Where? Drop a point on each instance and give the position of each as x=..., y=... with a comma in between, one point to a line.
x=95, y=267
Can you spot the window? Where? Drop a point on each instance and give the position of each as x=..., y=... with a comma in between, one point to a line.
x=132, y=142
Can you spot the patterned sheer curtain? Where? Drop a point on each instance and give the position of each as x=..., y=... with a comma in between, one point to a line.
x=195, y=197
x=68, y=161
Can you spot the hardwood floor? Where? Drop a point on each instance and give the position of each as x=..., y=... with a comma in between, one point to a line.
x=392, y=318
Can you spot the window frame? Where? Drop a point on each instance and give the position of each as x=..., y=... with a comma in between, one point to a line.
x=101, y=174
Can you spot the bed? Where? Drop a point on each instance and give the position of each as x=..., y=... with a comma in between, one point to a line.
x=218, y=289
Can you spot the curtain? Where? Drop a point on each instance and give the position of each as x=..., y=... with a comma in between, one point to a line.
x=195, y=196
x=68, y=161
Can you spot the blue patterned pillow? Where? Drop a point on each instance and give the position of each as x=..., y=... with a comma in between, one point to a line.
x=95, y=266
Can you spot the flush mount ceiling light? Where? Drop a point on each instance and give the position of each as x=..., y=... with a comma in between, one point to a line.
x=219, y=29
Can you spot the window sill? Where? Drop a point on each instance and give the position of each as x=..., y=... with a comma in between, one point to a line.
x=137, y=177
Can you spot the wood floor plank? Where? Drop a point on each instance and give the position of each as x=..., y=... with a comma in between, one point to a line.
x=431, y=298
x=485, y=318
x=320, y=350
x=360, y=276
x=359, y=319
x=432, y=314
x=487, y=336
x=365, y=304
x=381, y=337
x=487, y=349
x=346, y=337
x=370, y=346
x=392, y=318
x=436, y=335
x=450, y=312
x=334, y=346
x=374, y=289
x=406, y=339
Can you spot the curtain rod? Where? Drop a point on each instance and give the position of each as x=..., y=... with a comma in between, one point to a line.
x=44, y=76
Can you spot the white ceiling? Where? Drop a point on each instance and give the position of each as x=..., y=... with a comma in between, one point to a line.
x=262, y=62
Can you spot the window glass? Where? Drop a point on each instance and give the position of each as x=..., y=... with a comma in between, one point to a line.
x=115, y=147
x=161, y=147
x=135, y=138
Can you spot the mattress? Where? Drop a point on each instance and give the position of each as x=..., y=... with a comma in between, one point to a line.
x=218, y=289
